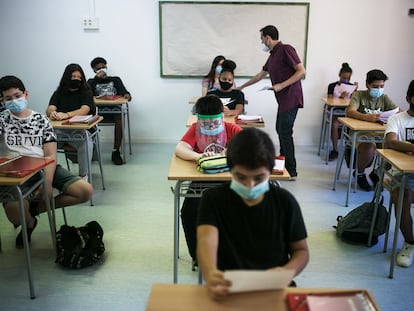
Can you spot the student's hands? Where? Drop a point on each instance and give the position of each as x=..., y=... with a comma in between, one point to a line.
x=127, y=97
x=100, y=74
x=372, y=117
x=56, y=116
x=277, y=87
x=344, y=94
x=217, y=286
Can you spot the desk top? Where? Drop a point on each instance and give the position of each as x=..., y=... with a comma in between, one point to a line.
x=336, y=102
x=17, y=181
x=400, y=160
x=359, y=125
x=185, y=297
x=74, y=126
x=187, y=170
x=118, y=101
x=193, y=118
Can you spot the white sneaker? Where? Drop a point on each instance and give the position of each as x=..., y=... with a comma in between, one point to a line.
x=405, y=256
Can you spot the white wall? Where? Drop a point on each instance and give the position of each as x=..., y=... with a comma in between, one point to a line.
x=39, y=38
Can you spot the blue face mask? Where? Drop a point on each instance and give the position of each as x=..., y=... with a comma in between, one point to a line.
x=219, y=68
x=17, y=105
x=212, y=132
x=249, y=193
x=376, y=93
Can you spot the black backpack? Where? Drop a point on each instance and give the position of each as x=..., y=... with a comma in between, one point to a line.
x=354, y=227
x=79, y=247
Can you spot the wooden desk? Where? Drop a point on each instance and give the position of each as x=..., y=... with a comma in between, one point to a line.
x=193, y=118
x=15, y=189
x=332, y=107
x=355, y=134
x=404, y=163
x=186, y=176
x=80, y=132
x=183, y=297
x=117, y=106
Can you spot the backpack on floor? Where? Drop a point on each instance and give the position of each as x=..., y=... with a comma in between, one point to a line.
x=354, y=227
x=79, y=247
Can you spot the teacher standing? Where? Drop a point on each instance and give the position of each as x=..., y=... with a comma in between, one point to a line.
x=286, y=71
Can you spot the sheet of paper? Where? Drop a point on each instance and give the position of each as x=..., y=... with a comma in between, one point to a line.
x=245, y=117
x=386, y=114
x=349, y=88
x=266, y=88
x=252, y=280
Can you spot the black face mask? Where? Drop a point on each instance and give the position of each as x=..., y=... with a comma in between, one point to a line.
x=75, y=84
x=412, y=107
x=225, y=85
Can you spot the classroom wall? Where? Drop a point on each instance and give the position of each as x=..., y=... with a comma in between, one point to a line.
x=39, y=38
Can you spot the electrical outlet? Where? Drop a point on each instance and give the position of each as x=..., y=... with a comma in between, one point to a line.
x=90, y=23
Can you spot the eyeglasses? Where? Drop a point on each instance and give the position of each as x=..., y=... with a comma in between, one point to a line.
x=210, y=123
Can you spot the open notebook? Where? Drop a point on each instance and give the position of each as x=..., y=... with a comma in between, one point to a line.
x=21, y=166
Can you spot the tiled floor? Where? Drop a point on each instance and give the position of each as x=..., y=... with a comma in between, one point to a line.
x=136, y=214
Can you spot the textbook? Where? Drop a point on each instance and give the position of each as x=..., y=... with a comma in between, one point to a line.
x=88, y=119
x=345, y=301
x=21, y=166
x=279, y=167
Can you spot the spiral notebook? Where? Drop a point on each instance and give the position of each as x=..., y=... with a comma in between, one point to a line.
x=21, y=166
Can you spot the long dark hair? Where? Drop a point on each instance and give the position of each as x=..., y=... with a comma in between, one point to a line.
x=64, y=83
x=212, y=73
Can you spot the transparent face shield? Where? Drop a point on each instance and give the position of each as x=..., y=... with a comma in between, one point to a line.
x=210, y=133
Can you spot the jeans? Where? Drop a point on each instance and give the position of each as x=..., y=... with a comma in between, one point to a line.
x=284, y=128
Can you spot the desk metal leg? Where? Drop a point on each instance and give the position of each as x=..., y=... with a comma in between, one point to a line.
x=322, y=134
x=340, y=159
x=129, y=130
x=26, y=243
x=377, y=202
x=50, y=213
x=351, y=165
x=397, y=224
x=123, y=133
x=177, y=192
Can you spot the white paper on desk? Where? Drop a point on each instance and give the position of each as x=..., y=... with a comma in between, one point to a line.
x=252, y=280
x=245, y=117
x=349, y=88
x=386, y=114
x=266, y=88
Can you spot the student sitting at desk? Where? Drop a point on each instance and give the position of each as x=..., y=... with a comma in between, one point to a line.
x=73, y=97
x=335, y=91
x=232, y=99
x=29, y=133
x=208, y=136
x=249, y=223
x=102, y=84
x=211, y=80
x=367, y=105
x=399, y=135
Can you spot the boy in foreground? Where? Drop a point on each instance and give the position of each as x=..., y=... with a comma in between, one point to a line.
x=249, y=223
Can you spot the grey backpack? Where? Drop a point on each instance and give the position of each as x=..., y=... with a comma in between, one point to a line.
x=354, y=227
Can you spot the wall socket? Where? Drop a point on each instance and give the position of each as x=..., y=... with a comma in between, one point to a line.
x=90, y=23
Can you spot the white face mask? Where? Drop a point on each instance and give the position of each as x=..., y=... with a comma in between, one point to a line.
x=265, y=48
